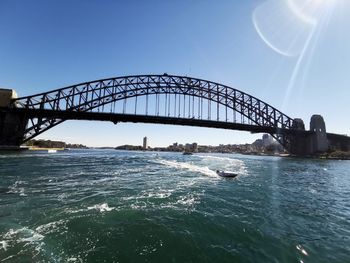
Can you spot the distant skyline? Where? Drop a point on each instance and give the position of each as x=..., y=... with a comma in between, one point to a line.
x=292, y=56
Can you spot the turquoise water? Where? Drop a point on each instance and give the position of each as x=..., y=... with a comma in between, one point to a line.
x=114, y=206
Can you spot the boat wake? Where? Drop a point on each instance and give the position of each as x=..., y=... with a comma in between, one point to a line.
x=24, y=236
x=228, y=163
x=224, y=159
x=101, y=208
x=188, y=166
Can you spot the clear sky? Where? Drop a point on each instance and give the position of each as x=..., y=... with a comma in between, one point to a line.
x=295, y=57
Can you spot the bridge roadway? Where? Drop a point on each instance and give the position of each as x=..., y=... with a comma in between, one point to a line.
x=116, y=117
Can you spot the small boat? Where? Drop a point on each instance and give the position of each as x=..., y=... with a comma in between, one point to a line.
x=226, y=173
x=187, y=153
x=52, y=151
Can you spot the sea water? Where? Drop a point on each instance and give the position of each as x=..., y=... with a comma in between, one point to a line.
x=120, y=206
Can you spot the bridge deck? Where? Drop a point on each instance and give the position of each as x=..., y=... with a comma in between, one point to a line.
x=115, y=118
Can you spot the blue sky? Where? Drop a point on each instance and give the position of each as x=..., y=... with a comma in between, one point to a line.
x=46, y=45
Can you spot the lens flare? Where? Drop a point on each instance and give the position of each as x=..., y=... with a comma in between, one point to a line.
x=285, y=26
x=309, y=11
x=292, y=28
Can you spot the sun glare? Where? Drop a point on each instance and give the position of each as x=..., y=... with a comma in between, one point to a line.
x=309, y=11
x=285, y=26
x=292, y=29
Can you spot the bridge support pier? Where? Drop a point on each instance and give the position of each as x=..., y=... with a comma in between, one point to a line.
x=299, y=144
x=313, y=143
x=319, y=138
x=12, y=125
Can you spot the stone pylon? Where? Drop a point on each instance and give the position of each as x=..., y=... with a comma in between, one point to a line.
x=319, y=138
x=12, y=125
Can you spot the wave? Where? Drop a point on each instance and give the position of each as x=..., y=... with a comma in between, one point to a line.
x=4, y=245
x=101, y=207
x=51, y=227
x=188, y=200
x=230, y=163
x=104, y=207
x=183, y=202
x=16, y=189
x=152, y=194
x=233, y=161
x=188, y=166
x=23, y=235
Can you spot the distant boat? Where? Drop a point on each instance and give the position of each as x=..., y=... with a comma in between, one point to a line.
x=52, y=151
x=187, y=153
x=226, y=173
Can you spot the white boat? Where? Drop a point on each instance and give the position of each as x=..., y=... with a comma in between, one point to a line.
x=226, y=173
x=52, y=151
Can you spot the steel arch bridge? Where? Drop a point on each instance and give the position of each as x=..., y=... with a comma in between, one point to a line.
x=166, y=99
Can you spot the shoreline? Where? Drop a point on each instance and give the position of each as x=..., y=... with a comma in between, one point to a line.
x=282, y=155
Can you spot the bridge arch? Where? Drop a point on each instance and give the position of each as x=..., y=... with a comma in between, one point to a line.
x=48, y=109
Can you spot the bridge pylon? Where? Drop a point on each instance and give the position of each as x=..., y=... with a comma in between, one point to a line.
x=12, y=125
x=299, y=144
x=319, y=137
x=311, y=143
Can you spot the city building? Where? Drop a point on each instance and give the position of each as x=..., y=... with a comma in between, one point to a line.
x=145, y=143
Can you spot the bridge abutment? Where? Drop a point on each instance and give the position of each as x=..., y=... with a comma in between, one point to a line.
x=12, y=125
x=319, y=138
x=299, y=143
x=309, y=144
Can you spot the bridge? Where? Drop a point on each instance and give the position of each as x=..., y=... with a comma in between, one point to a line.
x=164, y=99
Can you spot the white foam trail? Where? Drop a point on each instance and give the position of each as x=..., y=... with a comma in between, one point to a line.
x=50, y=227
x=230, y=163
x=15, y=189
x=74, y=259
x=98, y=207
x=101, y=207
x=9, y=257
x=188, y=200
x=33, y=238
x=26, y=234
x=22, y=235
x=225, y=159
x=4, y=245
x=161, y=194
x=151, y=194
x=187, y=166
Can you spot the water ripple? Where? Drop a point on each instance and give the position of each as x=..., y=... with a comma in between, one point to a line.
x=82, y=206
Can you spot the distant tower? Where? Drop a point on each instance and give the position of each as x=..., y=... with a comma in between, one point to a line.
x=145, y=143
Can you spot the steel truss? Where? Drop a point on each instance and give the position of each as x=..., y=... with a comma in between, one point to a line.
x=202, y=96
